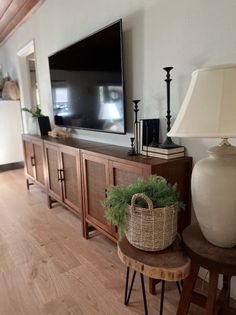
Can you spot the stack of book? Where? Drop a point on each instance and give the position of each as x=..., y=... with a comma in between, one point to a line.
x=163, y=153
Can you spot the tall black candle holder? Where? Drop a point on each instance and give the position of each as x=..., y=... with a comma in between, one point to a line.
x=168, y=143
x=134, y=148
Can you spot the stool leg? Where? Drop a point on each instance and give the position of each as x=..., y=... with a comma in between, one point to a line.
x=178, y=287
x=226, y=288
x=126, y=285
x=127, y=294
x=212, y=292
x=187, y=291
x=144, y=295
x=162, y=296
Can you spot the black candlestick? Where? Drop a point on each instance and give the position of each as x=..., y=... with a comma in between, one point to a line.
x=136, y=110
x=132, y=149
x=136, y=126
x=168, y=144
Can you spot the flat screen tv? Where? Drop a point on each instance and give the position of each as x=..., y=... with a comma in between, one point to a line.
x=87, y=82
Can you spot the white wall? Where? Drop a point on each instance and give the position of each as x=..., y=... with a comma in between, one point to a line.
x=186, y=34
x=58, y=23
x=10, y=132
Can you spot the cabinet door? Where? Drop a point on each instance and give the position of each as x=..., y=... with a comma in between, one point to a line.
x=53, y=170
x=39, y=162
x=71, y=179
x=29, y=157
x=123, y=174
x=96, y=180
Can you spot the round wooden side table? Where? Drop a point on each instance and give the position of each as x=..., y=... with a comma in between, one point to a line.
x=170, y=264
x=218, y=261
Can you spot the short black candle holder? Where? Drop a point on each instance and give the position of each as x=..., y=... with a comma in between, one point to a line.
x=132, y=148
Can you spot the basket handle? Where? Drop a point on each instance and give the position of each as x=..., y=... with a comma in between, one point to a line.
x=143, y=196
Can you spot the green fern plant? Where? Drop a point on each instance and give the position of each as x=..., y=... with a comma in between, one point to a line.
x=156, y=188
x=35, y=111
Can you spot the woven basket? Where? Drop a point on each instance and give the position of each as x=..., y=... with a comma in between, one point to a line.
x=150, y=229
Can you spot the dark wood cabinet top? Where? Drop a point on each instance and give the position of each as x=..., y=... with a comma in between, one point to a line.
x=107, y=149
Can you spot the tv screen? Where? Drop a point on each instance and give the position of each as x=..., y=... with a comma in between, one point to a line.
x=87, y=82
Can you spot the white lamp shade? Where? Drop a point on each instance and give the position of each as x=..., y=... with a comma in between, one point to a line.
x=209, y=108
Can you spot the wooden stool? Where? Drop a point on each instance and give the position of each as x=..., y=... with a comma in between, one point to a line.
x=218, y=261
x=170, y=264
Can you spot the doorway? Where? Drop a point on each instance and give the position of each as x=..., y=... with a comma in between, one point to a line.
x=28, y=81
x=33, y=80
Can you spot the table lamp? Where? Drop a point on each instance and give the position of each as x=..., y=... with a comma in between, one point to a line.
x=209, y=111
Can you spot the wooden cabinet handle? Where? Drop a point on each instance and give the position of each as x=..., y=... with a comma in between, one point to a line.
x=33, y=161
x=58, y=175
x=61, y=174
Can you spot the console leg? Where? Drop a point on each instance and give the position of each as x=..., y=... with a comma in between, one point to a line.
x=152, y=285
x=85, y=230
x=28, y=184
x=49, y=202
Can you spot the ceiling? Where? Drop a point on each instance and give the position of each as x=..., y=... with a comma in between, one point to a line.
x=12, y=13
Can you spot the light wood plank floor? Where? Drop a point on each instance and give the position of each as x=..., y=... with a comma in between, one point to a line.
x=46, y=267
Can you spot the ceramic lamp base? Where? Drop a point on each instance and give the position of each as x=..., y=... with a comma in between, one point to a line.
x=214, y=195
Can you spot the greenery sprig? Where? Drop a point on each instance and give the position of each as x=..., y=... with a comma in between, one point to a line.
x=156, y=188
x=35, y=111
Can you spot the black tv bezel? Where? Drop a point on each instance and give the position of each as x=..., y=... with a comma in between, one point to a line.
x=122, y=77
